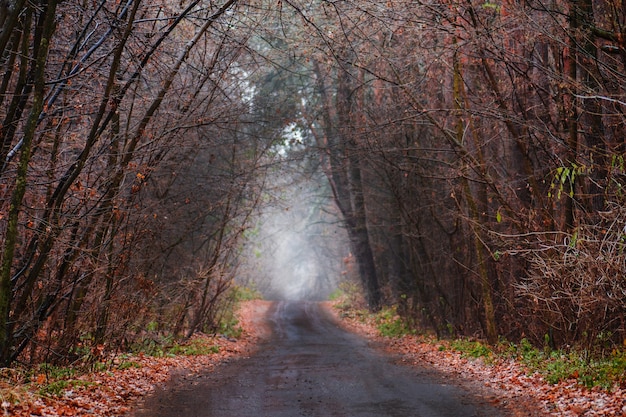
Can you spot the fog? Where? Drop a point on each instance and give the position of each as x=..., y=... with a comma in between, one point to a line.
x=296, y=251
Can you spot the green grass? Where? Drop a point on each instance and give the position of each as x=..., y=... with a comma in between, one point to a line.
x=559, y=365
x=246, y=293
x=153, y=346
x=471, y=349
x=52, y=372
x=58, y=388
x=229, y=326
x=554, y=366
x=390, y=324
x=168, y=347
x=337, y=294
x=128, y=364
x=346, y=296
x=193, y=348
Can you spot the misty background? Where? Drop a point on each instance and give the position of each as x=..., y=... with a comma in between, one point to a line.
x=298, y=248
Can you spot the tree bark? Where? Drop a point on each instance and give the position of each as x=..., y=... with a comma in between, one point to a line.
x=474, y=213
x=344, y=174
x=47, y=19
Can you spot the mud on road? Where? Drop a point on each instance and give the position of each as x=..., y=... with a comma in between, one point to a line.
x=310, y=366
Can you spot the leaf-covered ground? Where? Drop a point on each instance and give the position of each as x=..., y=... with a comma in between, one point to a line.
x=115, y=391
x=506, y=383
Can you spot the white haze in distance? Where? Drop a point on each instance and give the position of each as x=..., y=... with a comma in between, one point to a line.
x=298, y=249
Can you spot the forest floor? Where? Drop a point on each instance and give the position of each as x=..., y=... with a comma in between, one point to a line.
x=505, y=383
x=128, y=379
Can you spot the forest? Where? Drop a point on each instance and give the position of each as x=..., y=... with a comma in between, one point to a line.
x=463, y=161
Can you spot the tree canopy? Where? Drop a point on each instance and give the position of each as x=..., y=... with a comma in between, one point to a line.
x=461, y=160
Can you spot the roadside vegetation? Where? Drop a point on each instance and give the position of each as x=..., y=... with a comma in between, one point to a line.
x=555, y=365
x=603, y=367
x=86, y=384
x=520, y=378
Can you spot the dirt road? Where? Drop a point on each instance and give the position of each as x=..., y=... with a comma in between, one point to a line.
x=312, y=367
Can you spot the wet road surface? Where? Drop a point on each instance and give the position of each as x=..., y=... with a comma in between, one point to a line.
x=312, y=367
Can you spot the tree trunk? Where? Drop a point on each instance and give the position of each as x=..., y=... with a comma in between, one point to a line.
x=344, y=174
x=474, y=213
x=582, y=23
x=47, y=19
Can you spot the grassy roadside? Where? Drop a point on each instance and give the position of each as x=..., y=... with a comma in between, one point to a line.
x=555, y=366
x=107, y=387
x=107, y=384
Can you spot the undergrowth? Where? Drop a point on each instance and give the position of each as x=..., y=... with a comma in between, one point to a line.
x=17, y=384
x=554, y=365
x=390, y=324
x=193, y=348
x=226, y=324
x=50, y=380
x=58, y=387
x=559, y=365
x=347, y=297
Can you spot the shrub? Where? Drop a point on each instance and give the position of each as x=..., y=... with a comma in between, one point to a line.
x=472, y=349
x=390, y=324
